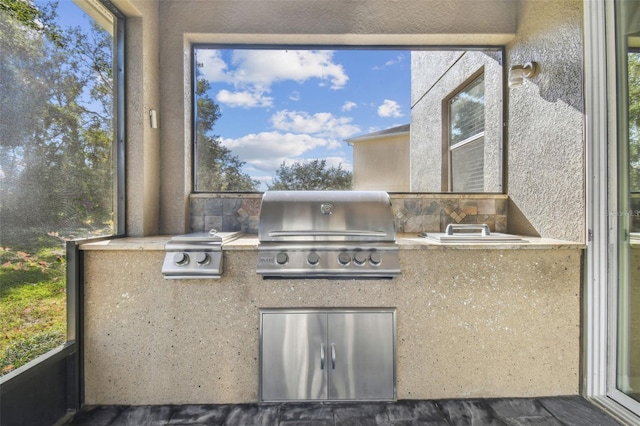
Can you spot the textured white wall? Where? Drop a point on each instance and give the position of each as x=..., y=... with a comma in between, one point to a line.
x=546, y=180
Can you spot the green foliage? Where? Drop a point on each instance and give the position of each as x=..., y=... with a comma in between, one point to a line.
x=25, y=350
x=27, y=14
x=634, y=121
x=217, y=168
x=57, y=126
x=32, y=304
x=56, y=131
x=314, y=175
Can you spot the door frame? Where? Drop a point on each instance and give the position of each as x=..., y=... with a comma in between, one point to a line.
x=600, y=307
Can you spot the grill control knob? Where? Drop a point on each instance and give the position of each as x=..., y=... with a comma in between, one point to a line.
x=360, y=258
x=344, y=258
x=375, y=258
x=202, y=258
x=282, y=258
x=181, y=259
x=313, y=258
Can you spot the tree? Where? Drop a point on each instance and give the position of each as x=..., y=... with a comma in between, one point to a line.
x=634, y=121
x=217, y=169
x=314, y=175
x=56, y=98
x=21, y=72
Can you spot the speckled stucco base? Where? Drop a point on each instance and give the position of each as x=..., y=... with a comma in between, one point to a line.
x=469, y=323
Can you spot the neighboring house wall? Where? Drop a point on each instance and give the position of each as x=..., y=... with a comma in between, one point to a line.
x=435, y=76
x=546, y=148
x=382, y=163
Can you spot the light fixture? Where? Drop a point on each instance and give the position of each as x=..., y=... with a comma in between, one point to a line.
x=517, y=73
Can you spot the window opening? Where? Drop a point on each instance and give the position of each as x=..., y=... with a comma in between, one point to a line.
x=294, y=117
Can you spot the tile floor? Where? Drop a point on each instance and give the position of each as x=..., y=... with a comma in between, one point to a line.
x=569, y=410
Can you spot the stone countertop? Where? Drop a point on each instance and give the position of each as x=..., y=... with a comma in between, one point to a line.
x=413, y=241
x=405, y=242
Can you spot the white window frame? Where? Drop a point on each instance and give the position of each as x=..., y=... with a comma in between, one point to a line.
x=448, y=158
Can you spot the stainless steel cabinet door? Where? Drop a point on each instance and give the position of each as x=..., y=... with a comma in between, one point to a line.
x=293, y=365
x=361, y=355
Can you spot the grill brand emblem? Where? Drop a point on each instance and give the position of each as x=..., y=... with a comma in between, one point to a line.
x=326, y=208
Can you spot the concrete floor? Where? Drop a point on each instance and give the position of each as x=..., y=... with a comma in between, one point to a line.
x=569, y=410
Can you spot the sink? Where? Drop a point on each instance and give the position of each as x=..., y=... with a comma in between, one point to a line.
x=471, y=233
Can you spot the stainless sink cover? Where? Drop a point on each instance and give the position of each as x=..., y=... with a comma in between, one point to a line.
x=471, y=233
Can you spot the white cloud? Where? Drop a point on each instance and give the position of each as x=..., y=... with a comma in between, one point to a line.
x=389, y=108
x=348, y=106
x=244, y=99
x=262, y=68
x=213, y=66
x=267, y=150
x=390, y=62
x=294, y=96
x=321, y=124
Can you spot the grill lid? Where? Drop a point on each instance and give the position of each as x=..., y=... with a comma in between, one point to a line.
x=326, y=216
x=327, y=234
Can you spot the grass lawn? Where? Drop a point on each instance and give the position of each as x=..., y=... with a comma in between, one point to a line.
x=32, y=303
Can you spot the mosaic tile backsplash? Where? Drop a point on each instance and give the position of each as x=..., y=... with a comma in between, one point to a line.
x=413, y=213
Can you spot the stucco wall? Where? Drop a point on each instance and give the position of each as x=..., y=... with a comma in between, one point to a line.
x=467, y=326
x=546, y=148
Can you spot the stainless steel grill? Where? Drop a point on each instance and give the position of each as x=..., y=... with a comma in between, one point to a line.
x=327, y=234
x=195, y=255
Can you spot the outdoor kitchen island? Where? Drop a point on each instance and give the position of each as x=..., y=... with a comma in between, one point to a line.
x=473, y=320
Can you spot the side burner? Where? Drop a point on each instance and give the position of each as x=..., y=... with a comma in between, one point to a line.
x=195, y=255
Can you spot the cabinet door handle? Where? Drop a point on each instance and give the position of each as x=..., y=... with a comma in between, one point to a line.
x=333, y=356
x=321, y=356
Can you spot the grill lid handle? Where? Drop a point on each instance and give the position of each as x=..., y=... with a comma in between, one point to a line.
x=351, y=233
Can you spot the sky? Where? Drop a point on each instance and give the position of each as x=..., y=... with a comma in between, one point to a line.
x=298, y=105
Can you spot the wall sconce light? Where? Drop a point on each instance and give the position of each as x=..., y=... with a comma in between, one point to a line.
x=517, y=73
